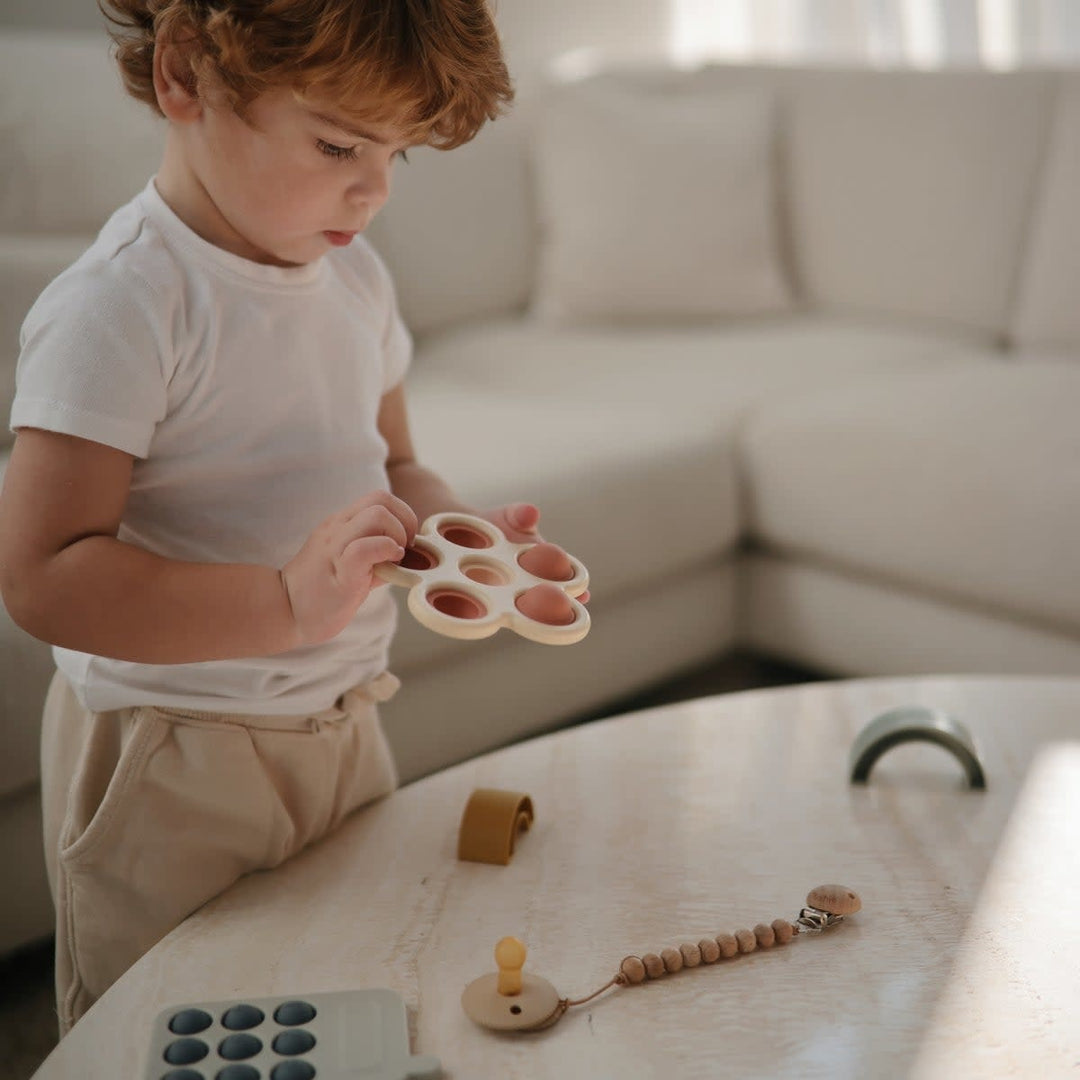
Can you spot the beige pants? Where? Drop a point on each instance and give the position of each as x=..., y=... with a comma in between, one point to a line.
x=151, y=812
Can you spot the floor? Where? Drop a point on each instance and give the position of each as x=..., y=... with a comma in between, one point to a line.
x=27, y=1019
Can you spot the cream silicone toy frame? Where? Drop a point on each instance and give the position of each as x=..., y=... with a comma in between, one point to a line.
x=465, y=581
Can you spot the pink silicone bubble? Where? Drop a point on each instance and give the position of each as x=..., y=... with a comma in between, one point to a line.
x=418, y=558
x=546, y=604
x=457, y=605
x=547, y=557
x=464, y=536
x=485, y=571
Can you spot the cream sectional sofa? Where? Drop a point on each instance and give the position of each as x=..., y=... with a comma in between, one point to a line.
x=790, y=358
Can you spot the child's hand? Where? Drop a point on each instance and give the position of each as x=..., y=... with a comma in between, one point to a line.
x=518, y=522
x=332, y=574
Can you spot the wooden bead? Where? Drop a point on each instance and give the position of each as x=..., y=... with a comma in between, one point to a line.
x=673, y=960
x=784, y=931
x=765, y=934
x=654, y=966
x=747, y=941
x=728, y=945
x=835, y=899
x=710, y=951
x=691, y=954
x=634, y=969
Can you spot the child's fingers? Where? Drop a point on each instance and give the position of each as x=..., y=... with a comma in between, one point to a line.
x=398, y=508
x=375, y=520
x=353, y=567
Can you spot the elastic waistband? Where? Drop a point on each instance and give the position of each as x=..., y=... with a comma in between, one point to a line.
x=382, y=688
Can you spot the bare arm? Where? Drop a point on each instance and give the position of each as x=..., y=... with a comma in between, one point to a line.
x=425, y=491
x=67, y=579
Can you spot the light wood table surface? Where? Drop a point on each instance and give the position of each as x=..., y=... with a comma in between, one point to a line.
x=669, y=826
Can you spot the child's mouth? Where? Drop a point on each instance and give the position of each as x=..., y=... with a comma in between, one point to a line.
x=339, y=239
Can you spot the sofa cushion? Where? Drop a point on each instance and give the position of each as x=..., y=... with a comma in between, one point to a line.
x=626, y=439
x=633, y=491
x=656, y=206
x=962, y=484
x=1048, y=314
x=636, y=493
x=907, y=193
x=66, y=169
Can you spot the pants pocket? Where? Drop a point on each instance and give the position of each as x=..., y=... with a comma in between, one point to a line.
x=112, y=761
x=186, y=812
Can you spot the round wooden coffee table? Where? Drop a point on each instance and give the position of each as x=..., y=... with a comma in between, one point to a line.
x=669, y=826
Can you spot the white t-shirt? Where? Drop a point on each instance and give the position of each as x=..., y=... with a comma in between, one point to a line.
x=249, y=396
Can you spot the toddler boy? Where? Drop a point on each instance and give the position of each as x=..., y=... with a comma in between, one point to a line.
x=213, y=453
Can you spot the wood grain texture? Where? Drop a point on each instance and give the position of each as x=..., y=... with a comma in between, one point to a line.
x=671, y=825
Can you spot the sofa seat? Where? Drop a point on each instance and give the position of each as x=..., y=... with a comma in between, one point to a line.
x=965, y=487
x=600, y=477
x=641, y=423
x=709, y=371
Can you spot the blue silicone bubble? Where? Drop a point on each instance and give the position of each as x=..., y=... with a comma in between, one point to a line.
x=291, y=1013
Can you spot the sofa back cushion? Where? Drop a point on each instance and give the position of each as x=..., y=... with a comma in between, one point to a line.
x=902, y=194
x=1048, y=307
x=657, y=206
x=908, y=193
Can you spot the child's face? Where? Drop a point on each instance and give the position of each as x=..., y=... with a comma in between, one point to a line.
x=291, y=180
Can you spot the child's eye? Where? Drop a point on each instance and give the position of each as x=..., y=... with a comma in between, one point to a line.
x=403, y=156
x=338, y=153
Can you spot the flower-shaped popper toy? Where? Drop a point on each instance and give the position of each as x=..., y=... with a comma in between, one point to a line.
x=466, y=580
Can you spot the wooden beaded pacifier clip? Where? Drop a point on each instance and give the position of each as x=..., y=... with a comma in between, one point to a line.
x=512, y=1000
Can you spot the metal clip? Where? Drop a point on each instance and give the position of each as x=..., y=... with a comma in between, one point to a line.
x=814, y=920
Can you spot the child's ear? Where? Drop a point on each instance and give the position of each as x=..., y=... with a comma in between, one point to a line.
x=175, y=83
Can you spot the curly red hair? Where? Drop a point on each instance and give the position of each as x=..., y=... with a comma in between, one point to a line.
x=433, y=67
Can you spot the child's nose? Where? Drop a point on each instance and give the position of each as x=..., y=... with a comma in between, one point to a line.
x=372, y=186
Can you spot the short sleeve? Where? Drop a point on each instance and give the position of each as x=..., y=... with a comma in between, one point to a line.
x=397, y=346
x=93, y=361
x=372, y=277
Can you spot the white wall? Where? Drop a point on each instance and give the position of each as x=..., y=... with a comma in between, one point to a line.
x=533, y=31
